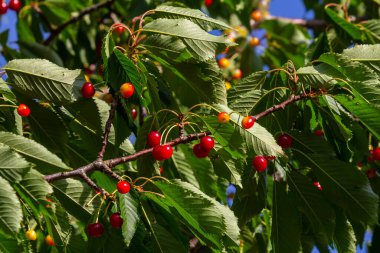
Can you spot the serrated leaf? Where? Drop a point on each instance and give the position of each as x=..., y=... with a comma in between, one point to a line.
x=33, y=152
x=12, y=165
x=286, y=221
x=197, y=40
x=9, y=245
x=129, y=210
x=368, y=55
x=316, y=208
x=36, y=185
x=10, y=209
x=345, y=185
x=207, y=218
x=348, y=27
x=168, y=243
x=344, y=237
x=42, y=79
x=193, y=15
x=74, y=195
x=257, y=138
x=36, y=50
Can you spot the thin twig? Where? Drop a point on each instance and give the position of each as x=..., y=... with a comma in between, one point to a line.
x=108, y=128
x=55, y=32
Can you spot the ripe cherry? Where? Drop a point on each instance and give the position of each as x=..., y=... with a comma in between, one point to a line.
x=15, y=5
x=49, y=240
x=162, y=152
x=224, y=63
x=285, y=141
x=318, y=185
x=161, y=170
x=199, y=151
x=371, y=173
x=116, y=221
x=3, y=7
x=23, y=110
x=207, y=143
x=319, y=132
x=119, y=29
x=254, y=41
x=123, y=187
x=154, y=139
x=127, y=90
x=31, y=235
x=208, y=3
x=237, y=74
x=88, y=90
x=376, y=154
x=247, y=122
x=95, y=229
x=223, y=117
x=256, y=15
x=259, y=163
x=134, y=113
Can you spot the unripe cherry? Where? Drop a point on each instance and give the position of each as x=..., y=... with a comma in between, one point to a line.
x=127, y=90
x=223, y=117
x=49, y=240
x=247, y=122
x=224, y=63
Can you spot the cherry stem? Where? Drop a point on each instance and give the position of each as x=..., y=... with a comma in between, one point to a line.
x=108, y=128
x=56, y=31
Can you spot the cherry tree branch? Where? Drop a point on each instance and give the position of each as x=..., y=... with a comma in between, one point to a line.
x=108, y=128
x=56, y=31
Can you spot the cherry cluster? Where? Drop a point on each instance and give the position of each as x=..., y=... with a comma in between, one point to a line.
x=13, y=5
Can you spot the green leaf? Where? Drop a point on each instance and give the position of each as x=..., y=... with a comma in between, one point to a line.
x=368, y=55
x=168, y=243
x=257, y=138
x=286, y=221
x=9, y=245
x=129, y=210
x=316, y=208
x=345, y=186
x=33, y=152
x=12, y=165
x=74, y=195
x=36, y=185
x=193, y=15
x=371, y=30
x=42, y=79
x=207, y=219
x=197, y=40
x=348, y=27
x=365, y=112
x=10, y=209
x=344, y=237
x=36, y=50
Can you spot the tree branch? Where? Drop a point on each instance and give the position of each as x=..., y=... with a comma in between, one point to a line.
x=293, y=98
x=98, y=165
x=55, y=32
x=108, y=128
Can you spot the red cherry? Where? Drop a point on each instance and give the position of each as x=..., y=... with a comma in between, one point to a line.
x=318, y=185
x=95, y=230
x=247, y=122
x=127, y=90
x=161, y=170
x=116, y=221
x=3, y=7
x=154, y=139
x=259, y=163
x=23, y=110
x=270, y=157
x=376, y=154
x=285, y=141
x=162, y=152
x=370, y=158
x=15, y=5
x=88, y=90
x=199, y=151
x=123, y=187
x=371, y=173
x=119, y=29
x=208, y=3
x=223, y=117
x=207, y=143
x=134, y=113
x=319, y=132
